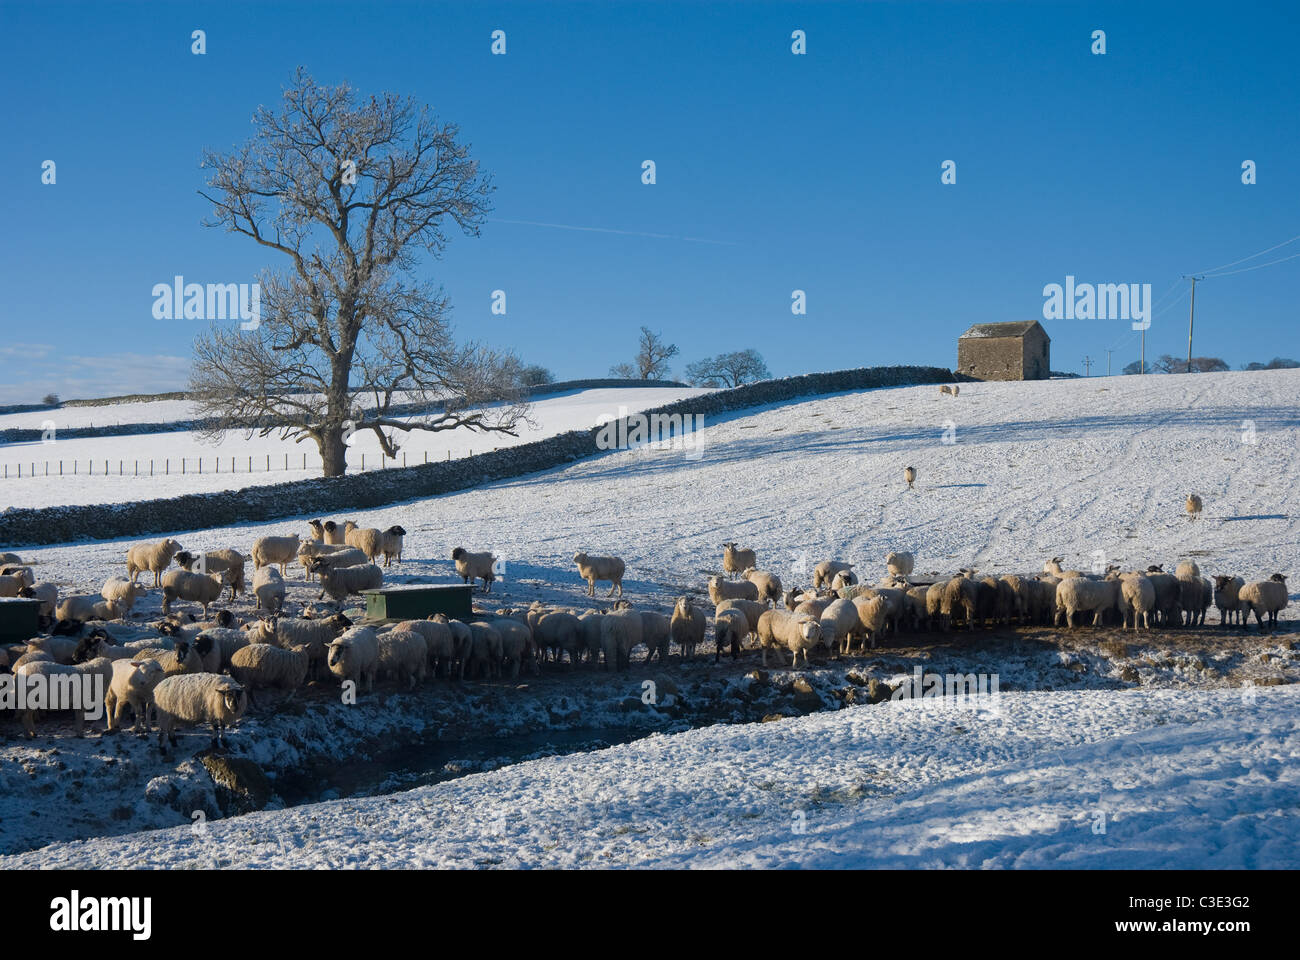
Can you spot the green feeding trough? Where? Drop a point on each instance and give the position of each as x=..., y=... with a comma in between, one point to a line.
x=418, y=601
x=19, y=619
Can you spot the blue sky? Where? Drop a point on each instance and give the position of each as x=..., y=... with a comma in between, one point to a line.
x=818, y=172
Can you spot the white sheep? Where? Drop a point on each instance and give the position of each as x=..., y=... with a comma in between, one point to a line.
x=1137, y=597
x=752, y=610
x=61, y=649
x=331, y=554
x=182, y=658
x=842, y=579
x=1263, y=597
x=909, y=474
x=516, y=644
x=872, y=612
x=341, y=582
x=656, y=634
x=824, y=572
x=122, y=593
x=793, y=631
x=268, y=589
x=315, y=635
x=85, y=676
x=327, y=532
x=201, y=588
x=1081, y=595
x=485, y=651
x=899, y=564
x=769, y=584
x=229, y=562
x=949, y=389
x=404, y=656
x=198, y=698
x=275, y=551
x=217, y=645
x=590, y=631
x=735, y=560
x=155, y=557
x=355, y=656
x=593, y=569
x=620, y=633
x=557, y=631
x=438, y=640
x=82, y=608
x=687, y=627
x=475, y=566
x=369, y=540
x=730, y=628
x=1193, y=505
x=10, y=558
x=261, y=665
x=959, y=593
x=132, y=685
x=13, y=584
x=720, y=590
x=839, y=621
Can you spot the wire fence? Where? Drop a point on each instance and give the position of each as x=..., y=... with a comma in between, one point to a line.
x=202, y=466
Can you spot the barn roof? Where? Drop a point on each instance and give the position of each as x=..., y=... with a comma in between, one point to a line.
x=996, y=330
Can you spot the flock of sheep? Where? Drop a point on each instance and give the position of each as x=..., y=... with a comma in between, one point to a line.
x=180, y=669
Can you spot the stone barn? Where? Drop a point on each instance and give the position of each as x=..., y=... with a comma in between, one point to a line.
x=1005, y=351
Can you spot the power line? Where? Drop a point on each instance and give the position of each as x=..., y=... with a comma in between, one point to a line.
x=1258, y=266
x=1254, y=255
x=1087, y=366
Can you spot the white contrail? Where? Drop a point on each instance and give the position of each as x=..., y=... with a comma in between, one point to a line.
x=626, y=233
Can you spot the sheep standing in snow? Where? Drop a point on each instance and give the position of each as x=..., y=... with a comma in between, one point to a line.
x=354, y=656
x=593, y=569
x=1081, y=595
x=341, y=582
x=99, y=670
x=485, y=652
x=838, y=621
x=198, y=698
x=959, y=593
x=842, y=579
x=795, y=632
x=871, y=618
x=201, y=588
x=122, y=593
x=391, y=544
x=315, y=635
x=132, y=685
x=275, y=551
x=439, y=642
x=263, y=665
x=404, y=656
x=369, y=540
x=155, y=557
x=229, y=562
x=656, y=634
x=475, y=566
x=730, y=628
x=688, y=626
x=1137, y=598
x=268, y=589
x=1263, y=597
x=334, y=556
x=899, y=564
x=949, y=389
x=1194, y=505
x=620, y=633
x=1168, y=595
x=182, y=658
x=769, y=584
x=735, y=560
x=1227, y=597
x=720, y=590
x=824, y=573
x=909, y=474
x=560, y=631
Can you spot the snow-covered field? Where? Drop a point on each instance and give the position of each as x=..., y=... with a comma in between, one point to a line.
x=127, y=454
x=1060, y=468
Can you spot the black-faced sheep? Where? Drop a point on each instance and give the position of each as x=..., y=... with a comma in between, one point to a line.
x=824, y=572
x=229, y=562
x=341, y=582
x=475, y=566
x=354, y=656
x=391, y=544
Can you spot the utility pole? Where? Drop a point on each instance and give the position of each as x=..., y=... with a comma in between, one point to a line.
x=1087, y=366
x=1108, y=363
x=1190, y=318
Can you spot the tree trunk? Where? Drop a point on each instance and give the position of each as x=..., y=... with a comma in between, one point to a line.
x=333, y=451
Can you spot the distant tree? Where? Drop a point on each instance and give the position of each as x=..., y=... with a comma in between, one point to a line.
x=1170, y=364
x=50, y=400
x=1277, y=363
x=1136, y=367
x=651, y=361
x=535, y=376
x=728, y=369
x=1208, y=365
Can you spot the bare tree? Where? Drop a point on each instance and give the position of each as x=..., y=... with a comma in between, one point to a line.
x=651, y=361
x=728, y=369
x=350, y=190
x=624, y=371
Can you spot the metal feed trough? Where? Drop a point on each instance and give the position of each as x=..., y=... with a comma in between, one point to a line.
x=19, y=619
x=418, y=602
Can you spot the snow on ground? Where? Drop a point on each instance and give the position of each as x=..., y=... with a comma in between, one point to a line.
x=1100, y=779
x=1060, y=468
x=551, y=415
